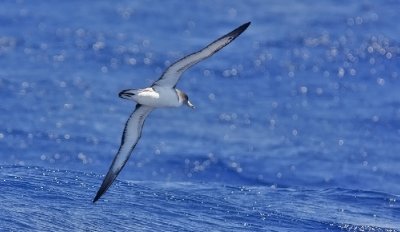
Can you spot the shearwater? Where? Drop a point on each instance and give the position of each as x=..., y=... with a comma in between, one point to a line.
x=161, y=93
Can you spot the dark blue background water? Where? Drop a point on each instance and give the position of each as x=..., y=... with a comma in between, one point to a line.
x=296, y=128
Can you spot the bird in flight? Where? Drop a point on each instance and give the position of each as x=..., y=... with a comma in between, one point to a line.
x=161, y=93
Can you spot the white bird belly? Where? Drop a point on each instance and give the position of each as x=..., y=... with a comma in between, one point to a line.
x=161, y=97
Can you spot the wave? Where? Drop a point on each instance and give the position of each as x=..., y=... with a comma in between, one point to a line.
x=37, y=198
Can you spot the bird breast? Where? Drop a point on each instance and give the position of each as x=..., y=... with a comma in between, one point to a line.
x=158, y=97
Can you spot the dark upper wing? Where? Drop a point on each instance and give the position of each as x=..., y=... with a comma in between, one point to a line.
x=171, y=76
x=130, y=137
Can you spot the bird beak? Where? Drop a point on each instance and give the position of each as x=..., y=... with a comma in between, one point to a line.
x=188, y=103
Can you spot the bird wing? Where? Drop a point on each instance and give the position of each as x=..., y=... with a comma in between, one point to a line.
x=172, y=74
x=130, y=137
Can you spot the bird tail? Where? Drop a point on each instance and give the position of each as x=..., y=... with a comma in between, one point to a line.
x=128, y=93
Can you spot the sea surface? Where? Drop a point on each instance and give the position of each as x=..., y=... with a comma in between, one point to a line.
x=296, y=126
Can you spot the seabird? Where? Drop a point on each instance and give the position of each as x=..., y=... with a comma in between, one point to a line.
x=161, y=93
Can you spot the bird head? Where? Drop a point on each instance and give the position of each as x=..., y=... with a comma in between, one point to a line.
x=184, y=98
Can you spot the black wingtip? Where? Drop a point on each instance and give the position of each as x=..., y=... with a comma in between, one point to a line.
x=246, y=25
x=97, y=197
x=108, y=180
x=243, y=27
x=100, y=193
x=239, y=30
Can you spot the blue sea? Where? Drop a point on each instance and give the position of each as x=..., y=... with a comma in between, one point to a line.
x=296, y=126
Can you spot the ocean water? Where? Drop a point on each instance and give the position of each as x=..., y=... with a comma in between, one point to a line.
x=296, y=126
